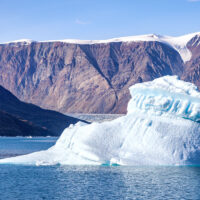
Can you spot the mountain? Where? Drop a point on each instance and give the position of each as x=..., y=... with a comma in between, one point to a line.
x=94, y=76
x=192, y=67
x=13, y=126
x=22, y=119
x=162, y=127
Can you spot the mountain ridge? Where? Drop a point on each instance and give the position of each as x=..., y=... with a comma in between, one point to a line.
x=143, y=37
x=92, y=78
x=22, y=119
x=179, y=43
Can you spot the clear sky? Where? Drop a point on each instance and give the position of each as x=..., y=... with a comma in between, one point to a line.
x=96, y=19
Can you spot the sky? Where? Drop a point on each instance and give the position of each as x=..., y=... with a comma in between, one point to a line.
x=96, y=19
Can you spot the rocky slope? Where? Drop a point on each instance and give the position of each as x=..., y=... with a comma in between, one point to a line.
x=93, y=76
x=12, y=126
x=192, y=67
x=22, y=119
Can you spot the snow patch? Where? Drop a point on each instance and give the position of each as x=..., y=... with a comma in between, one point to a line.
x=22, y=41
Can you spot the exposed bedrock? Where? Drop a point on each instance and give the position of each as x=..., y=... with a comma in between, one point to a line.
x=89, y=78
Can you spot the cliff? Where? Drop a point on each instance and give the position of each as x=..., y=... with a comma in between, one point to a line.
x=93, y=77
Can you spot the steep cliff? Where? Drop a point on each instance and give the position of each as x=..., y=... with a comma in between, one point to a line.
x=92, y=77
x=192, y=67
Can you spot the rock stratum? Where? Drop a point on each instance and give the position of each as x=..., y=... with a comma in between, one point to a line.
x=23, y=119
x=73, y=76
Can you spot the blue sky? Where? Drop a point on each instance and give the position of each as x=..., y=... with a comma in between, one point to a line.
x=96, y=19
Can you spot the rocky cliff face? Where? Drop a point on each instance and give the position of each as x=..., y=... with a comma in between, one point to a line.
x=192, y=67
x=89, y=78
x=22, y=119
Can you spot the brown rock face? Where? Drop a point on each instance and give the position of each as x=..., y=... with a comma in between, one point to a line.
x=22, y=119
x=192, y=67
x=83, y=78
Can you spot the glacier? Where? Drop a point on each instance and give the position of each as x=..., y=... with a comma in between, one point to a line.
x=162, y=127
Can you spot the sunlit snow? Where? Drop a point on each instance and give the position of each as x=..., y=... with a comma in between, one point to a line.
x=177, y=43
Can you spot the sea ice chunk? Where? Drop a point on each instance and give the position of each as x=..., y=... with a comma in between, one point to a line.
x=161, y=128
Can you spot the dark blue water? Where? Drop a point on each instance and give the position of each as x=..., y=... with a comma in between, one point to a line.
x=87, y=182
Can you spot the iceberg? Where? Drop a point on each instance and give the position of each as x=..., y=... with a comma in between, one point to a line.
x=162, y=127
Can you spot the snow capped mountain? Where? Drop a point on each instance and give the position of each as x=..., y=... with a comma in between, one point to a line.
x=178, y=43
x=22, y=41
x=161, y=128
x=75, y=76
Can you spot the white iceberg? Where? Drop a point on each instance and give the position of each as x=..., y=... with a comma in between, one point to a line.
x=162, y=127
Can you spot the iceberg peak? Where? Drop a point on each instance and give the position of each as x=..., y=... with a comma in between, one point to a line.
x=166, y=96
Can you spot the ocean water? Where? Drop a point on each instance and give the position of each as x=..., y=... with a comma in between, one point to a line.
x=14, y=146
x=90, y=182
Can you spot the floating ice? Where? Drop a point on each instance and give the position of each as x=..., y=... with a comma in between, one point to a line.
x=161, y=128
